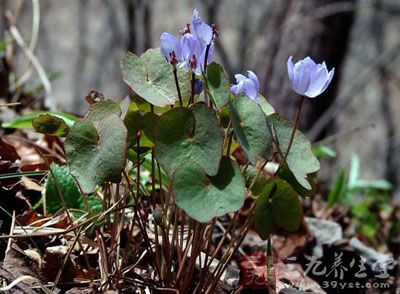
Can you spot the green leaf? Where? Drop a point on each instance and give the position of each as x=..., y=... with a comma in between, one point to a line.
x=354, y=173
x=146, y=164
x=251, y=128
x=218, y=84
x=265, y=106
x=373, y=185
x=101, y=109
x=25, y=121
x=203, y=197
x=338, y=189
x=224, y=116
x=50, y=125
x=133, y=122
x=60, y=185
x=145, y=106
x=150, y=121
x=97, y=154
x=259, y=183
x=150, y=76
x=324, y=151
x=136, y=121
x=286, y=174
x=189, y=135
x=301, y=160
x=95, y=203
x=4, y=44
x=277, y=206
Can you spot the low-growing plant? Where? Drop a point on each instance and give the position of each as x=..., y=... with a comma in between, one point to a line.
x=181, y=153
x=364, y=199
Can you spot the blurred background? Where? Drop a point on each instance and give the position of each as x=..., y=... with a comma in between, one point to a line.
x=67, y=48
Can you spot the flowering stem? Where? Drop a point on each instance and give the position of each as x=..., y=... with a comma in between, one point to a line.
x=206, y=57
x=296, y=124
x=191, y=100
x=205, y=72
x=177, y=86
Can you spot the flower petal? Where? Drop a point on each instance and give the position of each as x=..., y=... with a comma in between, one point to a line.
x=189, y=46
x=254, y=78
x=202, y=30
x=317, y=81
x=203, y=54
x=308, y=62
x=328, y=81
x=302, y=75
x=308, y=78
x=235, y=89
x=250, y=89
x=168, y=44
x=290, y=66
x=239, y=78
x=210, y=53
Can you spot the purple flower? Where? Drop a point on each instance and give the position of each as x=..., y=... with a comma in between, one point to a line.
x=200, y=29
x=198, y=86
x=171, y=48
x=308, y=78
x=193, y=53
x=191, y=50
x=247, y=85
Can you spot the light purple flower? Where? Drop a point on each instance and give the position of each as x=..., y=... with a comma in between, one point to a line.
x=190, y=46
x=308, y=78
x=209, y=56
x=171, y=47
x=200, y=29
x=193, y=53
x=247, y=85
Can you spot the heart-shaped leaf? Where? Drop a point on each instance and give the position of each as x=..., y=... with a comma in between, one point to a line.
x=98, y=111
x=60, y=187
x=300, y=160
x=203, y=197
x=150, y=76
x=286, y=174
x=251, y=128
x=50, y=125
x=252, y=175
x=136, y=121
x=190, y=134
x=277, y=206
x=97, y=153
x=218, y=84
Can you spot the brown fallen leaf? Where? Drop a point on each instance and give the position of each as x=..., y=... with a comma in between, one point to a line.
x=53, y=260
x=17, y=263
x=293, y=274
x=287, y=244
x=8, y=152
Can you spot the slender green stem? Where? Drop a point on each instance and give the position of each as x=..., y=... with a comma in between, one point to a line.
x=205, y=74
x=153, y=170
x=191, y=100
x=178, y=89
x=154, y=203
x=228, y=150
x=206, y=58
x=269, y=269
x=137, y=214
x=295, y=126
